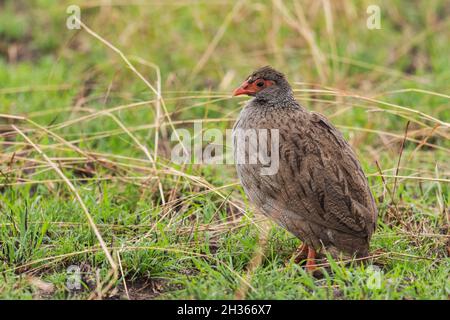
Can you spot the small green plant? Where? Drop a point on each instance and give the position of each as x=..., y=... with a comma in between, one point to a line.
x=23, y=231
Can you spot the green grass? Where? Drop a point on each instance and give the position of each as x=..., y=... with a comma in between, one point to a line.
x=204, y=242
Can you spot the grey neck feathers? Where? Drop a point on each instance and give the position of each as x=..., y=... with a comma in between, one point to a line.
x=281, y=97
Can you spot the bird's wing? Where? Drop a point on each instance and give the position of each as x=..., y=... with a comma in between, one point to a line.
x=321, y=178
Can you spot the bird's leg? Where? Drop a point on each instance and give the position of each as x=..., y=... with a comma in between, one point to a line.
x=311, y=260
x=301, y=253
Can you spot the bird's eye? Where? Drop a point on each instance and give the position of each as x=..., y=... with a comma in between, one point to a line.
x=260, y=84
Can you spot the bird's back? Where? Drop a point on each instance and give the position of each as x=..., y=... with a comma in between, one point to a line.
x=319, y=193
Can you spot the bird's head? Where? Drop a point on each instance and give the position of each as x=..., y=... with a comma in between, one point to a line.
x=265, y=83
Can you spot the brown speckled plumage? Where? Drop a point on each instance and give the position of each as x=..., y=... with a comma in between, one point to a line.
x=320, y=193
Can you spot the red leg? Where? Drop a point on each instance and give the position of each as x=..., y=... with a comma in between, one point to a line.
x=311, y=260
x=301, y=253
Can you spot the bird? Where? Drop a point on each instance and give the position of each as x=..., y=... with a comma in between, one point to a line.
x=319, y=192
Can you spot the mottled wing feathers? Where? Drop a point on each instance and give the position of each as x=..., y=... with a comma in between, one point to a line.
x=331, y=188
x=320, y=192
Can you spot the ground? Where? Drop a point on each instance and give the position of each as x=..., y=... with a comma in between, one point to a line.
x=91, y=205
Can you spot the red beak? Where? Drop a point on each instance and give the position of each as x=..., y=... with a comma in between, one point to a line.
x=245, y=88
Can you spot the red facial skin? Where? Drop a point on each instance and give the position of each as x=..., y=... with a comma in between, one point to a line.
x=252, y=88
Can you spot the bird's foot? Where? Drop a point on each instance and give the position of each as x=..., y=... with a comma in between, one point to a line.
x=308, y=254
x=311, y=260
x=300, y=254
